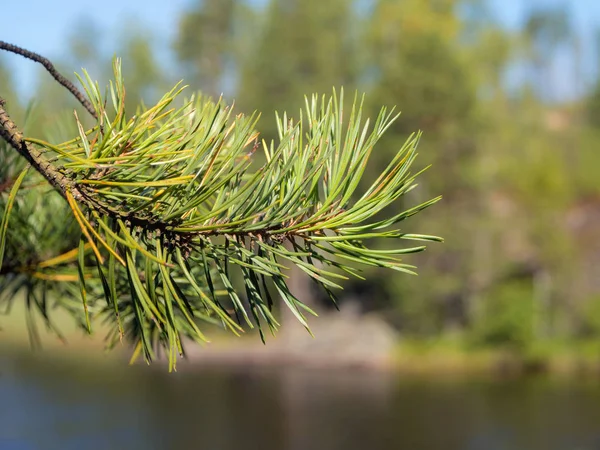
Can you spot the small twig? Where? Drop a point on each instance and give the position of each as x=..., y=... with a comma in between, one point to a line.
x=12, y=135
x=52, y=70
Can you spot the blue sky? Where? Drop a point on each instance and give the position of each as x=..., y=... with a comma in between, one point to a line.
x=44, y=25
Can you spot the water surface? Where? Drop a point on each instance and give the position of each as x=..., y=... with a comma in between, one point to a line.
x=49, y=405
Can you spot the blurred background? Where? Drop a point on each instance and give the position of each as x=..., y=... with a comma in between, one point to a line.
x=495, y=345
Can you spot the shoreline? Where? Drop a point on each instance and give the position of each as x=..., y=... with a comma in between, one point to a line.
x=343, y=342
x=436, y=361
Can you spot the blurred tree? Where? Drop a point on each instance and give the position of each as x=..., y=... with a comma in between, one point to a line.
x=508, y=317
x=146, y=81
x=85, y=48
x=417, y=63
x=592, y=104
x=7, y=88
x=545, y=31
x=307, y=46
x=206, y=45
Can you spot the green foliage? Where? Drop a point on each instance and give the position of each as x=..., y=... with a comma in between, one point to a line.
x=205, y=42
x=507, y=317
x=586, y=164
x=169, y=207
x=593, y=107
x=590, y=316
x=37, y=239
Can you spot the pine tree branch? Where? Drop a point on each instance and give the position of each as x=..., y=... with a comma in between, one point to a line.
x=65, y=186
x=52, y=70
x=12, y=135
x=168, y=201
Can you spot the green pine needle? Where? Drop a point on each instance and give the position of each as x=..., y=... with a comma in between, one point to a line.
x=174, y=213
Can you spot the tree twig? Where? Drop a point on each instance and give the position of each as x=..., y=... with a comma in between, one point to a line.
x=52, y=70
x=12, y=135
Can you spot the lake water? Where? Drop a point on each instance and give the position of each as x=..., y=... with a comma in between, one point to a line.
x=49, y=405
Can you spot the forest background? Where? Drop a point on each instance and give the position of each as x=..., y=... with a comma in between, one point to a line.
x=511, y=122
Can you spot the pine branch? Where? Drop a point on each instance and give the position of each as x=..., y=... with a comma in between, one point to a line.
x=167, y=206
x=12, y=135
